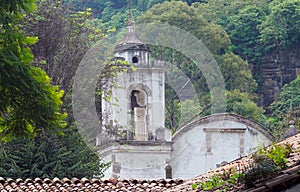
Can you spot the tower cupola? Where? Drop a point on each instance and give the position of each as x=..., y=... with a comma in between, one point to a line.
x=132, y=48
x=140, y=94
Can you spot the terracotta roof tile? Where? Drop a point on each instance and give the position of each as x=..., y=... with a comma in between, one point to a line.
x=85, y=184
x=281, y=180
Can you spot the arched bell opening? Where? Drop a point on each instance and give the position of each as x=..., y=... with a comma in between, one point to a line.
x=138, y=98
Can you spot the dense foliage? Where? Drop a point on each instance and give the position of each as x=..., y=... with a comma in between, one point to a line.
x=29, y=103
x=64, y=37
x=49, y=156
x=112, y=14
x=235, y=71
x=286, y=110
x=253, y=25
x=43, y=48
x=266, y=23
x=254, y=28
x=281, y=26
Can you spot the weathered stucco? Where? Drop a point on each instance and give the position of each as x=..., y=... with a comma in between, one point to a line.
x=210, y=141
x=137, y=159
x=147, y=150
x=196, y=148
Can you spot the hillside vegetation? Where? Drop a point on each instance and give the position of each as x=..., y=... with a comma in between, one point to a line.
x=255, y=43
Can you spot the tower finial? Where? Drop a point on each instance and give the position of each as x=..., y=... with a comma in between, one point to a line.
x=130, y=11
x=130, y=22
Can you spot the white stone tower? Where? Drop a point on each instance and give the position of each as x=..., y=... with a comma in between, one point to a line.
x=138, y=104
x=140, y=145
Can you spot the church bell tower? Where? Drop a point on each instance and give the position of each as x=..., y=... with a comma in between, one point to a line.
x=138, y=104
x=134, y=119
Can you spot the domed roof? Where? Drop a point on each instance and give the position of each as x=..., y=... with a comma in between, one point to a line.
x=131, y=41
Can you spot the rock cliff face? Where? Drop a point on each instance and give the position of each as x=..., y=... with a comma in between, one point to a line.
x=277, y=68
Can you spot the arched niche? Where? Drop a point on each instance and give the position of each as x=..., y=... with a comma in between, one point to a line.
x=138, y=98
x=139, y=86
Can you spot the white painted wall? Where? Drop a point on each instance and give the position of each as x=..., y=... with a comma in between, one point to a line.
x=187, y=154
x=151, y=76
x=139, y=160
x=120, y=110
x=190, y=158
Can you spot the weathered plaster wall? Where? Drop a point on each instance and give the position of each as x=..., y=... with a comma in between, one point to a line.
x=195, y=149
x=148, y=79
x=202, y=145
x=134, y=159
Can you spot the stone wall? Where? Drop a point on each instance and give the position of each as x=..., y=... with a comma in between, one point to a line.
x=277, y=68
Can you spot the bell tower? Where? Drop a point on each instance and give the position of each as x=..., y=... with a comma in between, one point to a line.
x=135, y=116
x=138, y=104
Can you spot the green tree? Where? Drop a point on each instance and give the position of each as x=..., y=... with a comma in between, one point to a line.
x=256, y=26
x=243, y=104
x=28, y=102
x=244, y=34
x=179, y=14
x=78, y=5
x=49, y=156
x=219, y=11
x=235, y=71
x=286, y=108
x=282, y=26
x=64, y=38
x=114, y=13
x=188, y=111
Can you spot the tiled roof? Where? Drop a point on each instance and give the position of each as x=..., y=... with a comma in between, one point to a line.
x=111, y=184
x=131, y=40
x=282, y=180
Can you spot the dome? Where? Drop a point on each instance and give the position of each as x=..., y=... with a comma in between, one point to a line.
x=131, y=41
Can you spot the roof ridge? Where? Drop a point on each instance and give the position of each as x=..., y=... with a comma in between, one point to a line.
x=293, y=169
